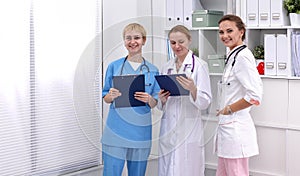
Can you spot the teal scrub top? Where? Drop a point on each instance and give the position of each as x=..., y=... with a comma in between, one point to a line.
x=129, y=127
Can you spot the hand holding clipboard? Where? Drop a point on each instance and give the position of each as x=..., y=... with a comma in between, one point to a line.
x=128, y=85
x=187, y=83
x=172, y=84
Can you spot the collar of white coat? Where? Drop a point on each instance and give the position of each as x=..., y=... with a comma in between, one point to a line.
x=233, y=50
x=188, y=60
x=230, y=60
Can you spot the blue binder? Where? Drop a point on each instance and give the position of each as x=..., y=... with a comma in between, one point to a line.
x=128, y=85
x=169, y=83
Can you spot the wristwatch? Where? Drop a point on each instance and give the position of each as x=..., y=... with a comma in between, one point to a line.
x=229, y=111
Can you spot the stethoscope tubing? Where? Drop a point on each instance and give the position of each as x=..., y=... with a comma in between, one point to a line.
x=236, y=51
x=141, y=67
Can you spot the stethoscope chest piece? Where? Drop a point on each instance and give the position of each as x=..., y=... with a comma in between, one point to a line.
x=142, y=67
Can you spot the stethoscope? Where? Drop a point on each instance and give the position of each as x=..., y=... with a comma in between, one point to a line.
x=236, y=51
x=224, y=83
x=193, y=64
x=144, y=65
x=186, y=65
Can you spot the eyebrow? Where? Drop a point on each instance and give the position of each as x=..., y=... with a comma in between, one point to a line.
x=133, y=36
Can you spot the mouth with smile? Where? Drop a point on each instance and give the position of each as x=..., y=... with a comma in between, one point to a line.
x=178, y=51
x=133, y=46
x=226, y=41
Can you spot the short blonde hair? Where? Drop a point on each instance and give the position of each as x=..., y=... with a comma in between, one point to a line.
x=135, y=27
x=182, y=29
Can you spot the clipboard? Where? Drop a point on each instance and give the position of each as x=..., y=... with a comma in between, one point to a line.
x=169, y=83
x=128, y=85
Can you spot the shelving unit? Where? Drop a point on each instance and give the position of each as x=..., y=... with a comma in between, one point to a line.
x=277, y=120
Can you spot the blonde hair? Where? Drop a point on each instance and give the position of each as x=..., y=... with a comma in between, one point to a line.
x=182, y=29
x=135, y=27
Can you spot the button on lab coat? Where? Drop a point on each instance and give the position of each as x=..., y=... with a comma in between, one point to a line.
x=181, y=146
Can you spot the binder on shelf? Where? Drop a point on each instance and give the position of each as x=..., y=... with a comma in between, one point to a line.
x=252, y=13
x=189, y=6
x=278, y=14
x=178, y=11
x=170, y=13
x=241, y=9
x=283, y=62
x=295, y=49
x=264, y=12
x=270, y=54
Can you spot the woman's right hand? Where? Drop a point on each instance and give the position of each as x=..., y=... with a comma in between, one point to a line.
x=112, y=94
x=163, y=96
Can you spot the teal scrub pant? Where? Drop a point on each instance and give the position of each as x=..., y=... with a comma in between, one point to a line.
x=114, y=159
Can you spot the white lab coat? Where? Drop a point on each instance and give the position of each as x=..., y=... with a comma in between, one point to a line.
x=236, y=134
x=181, y=134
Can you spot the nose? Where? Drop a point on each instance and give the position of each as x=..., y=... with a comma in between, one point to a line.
x=225, y=35
x=177, y=45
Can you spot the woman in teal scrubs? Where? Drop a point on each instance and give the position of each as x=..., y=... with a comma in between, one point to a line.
x=128, y=130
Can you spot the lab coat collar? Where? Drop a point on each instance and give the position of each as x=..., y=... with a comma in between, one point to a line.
x=187, y=64
x=234, y=49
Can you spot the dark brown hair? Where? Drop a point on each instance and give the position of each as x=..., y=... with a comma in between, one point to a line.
x=238, y=23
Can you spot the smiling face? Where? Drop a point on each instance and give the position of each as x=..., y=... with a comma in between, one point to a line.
x=134, y=42
x=230, y=35
x=179, y=44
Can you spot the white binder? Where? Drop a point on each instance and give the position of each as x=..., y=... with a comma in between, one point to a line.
x=295, y=53
x=241, y=9
x=264, y=12
x=170, y=13
x=189, y=6
x=270, y=54
x=283, y=62
x=178, y=11
x=278, y=14
x=252, y=12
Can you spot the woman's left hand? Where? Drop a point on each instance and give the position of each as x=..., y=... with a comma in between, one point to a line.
x=186, y=83
x=224, y=111
x=146, y=98
x=142, y=96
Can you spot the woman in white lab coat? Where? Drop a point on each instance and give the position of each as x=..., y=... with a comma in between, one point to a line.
x=181, y=146
x=240, y=88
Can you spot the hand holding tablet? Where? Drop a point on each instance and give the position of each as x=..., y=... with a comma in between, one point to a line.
x=169, y=83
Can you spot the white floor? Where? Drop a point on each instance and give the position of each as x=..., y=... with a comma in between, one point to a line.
x=151, y=171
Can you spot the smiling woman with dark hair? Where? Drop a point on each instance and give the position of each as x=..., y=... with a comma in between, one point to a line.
x=240, y=88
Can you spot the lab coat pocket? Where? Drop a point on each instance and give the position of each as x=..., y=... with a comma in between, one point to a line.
x=227, y=119
x=229, y=144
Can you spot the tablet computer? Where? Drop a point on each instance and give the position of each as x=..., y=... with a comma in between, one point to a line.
x=169, y=83
x=128, y=85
